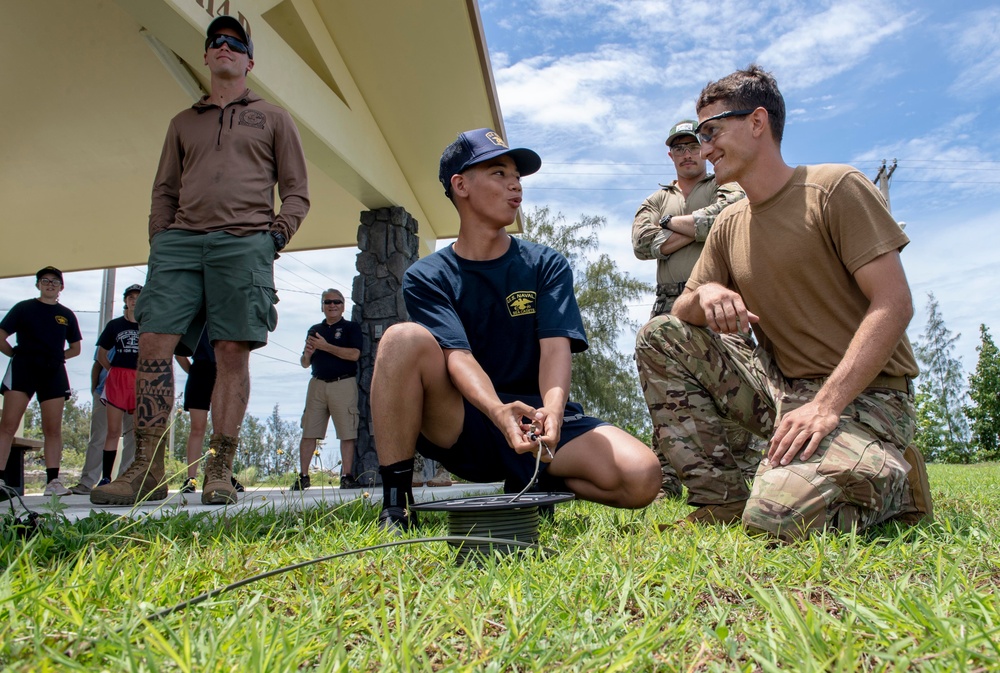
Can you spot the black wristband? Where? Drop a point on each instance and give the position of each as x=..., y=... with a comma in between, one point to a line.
x=665, y=221
x=279, y=240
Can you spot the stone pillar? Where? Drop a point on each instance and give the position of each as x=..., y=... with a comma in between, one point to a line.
x=388, y=244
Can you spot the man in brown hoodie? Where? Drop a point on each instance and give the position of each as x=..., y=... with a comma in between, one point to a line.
x=214, y=236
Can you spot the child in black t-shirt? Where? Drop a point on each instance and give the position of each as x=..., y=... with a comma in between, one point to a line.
x=38, y=368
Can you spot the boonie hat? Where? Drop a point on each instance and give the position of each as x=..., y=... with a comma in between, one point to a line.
x=48, y=269
x=475, y=147
x=226, y=21
x=684, y=128
x=135, y=287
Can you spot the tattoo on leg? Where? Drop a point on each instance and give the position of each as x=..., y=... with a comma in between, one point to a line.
x=154, y=393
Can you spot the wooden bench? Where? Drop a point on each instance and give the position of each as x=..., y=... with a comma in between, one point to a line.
x=13, y=474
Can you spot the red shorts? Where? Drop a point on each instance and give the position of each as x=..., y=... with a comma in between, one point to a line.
x=119, y=389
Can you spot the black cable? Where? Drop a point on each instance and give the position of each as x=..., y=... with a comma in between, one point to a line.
x=499, y=528
x=278, y=571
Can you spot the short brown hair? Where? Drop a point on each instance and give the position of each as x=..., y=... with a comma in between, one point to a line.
x=748, y=89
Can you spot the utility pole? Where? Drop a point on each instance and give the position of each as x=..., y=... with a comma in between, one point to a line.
x=882, y=180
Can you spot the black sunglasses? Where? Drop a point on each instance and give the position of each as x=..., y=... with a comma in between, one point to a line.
x=335, y=302
x=707, y=137
x=216, y=41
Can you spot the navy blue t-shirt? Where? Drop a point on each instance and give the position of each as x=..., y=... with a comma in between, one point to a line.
x=343, y=334
x=122, y=335
x=498, y=309
x=42, y=330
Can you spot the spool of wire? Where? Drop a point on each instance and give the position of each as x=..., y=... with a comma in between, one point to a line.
x=504, y=516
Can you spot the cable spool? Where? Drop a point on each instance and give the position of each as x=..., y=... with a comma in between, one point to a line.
x=505, y=517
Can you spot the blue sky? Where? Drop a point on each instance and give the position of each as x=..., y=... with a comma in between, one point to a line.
x=593, y=87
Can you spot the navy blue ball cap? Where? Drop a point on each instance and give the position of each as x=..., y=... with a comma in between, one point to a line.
x=135, y=287
x=475, y=147
x=226, y=21
x=50, y=270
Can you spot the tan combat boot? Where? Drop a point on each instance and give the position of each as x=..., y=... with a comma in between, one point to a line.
x=143, y=480
x=730, y=512
x=219, y=489
x=917, y=504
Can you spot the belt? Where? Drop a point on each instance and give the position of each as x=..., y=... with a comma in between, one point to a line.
x=670, y=289
x=903, y=384
x=338, y=378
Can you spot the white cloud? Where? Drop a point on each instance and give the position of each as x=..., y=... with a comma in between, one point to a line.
x=577, y=90
x=831, y=42
x=974, y=44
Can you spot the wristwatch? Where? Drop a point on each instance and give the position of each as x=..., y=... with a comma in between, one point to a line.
x=665, y=221
x=279, y=240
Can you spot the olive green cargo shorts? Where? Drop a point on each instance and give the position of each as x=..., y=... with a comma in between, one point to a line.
x=217, y=280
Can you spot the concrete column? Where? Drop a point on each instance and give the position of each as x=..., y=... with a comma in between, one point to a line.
x=388, y=244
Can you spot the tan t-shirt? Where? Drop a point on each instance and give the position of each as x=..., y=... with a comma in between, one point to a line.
x=792, y=259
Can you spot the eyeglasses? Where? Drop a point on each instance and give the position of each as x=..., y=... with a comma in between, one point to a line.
x=216, y=42
x=707, y=135
x=681, y=149
x=53, y=282
x=335, y=302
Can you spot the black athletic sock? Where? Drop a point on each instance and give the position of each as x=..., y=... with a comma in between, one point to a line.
x=397, y=483
x=51, y=474
x=109, y=463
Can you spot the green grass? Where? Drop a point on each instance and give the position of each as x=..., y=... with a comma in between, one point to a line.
x=616, y=596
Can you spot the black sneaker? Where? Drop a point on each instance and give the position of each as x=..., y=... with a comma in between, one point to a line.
x=348, y=481
x=301, y=483
x=396, y=520
x=238, y=486
x=190, y=485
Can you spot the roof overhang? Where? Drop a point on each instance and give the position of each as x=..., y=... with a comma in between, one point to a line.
x=377, y=89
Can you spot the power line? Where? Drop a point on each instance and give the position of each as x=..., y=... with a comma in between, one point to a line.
x=332, y=280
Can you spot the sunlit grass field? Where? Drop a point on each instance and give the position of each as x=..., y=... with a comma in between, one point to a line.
x=614, y=595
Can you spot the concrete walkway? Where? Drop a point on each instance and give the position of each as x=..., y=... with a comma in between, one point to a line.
x=79, y=506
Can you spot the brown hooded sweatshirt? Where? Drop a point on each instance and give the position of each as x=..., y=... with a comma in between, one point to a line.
x=219, y=167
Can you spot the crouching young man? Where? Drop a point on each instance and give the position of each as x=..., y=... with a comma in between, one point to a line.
x=488, y=356
x=810, y=260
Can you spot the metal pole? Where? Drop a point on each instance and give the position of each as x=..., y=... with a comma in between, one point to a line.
x=107, y=299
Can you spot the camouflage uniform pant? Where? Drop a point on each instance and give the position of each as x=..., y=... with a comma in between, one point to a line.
x=746, y=447
x=695, y=380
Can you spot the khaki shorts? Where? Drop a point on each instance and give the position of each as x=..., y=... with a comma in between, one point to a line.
x=216, y=279
x=334, y=399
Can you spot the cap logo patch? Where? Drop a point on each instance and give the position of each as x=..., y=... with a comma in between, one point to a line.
x=495, y=138
x=521, y=303
x=684, y=127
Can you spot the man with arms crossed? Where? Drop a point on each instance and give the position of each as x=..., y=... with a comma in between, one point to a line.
x=811, y=261
x=671, y=226
x=488, y=356
x=214, y=236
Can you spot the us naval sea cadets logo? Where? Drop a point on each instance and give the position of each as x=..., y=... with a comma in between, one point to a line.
x=495, y=138
x=521, y=303
x=62, y=320
x=252, y=118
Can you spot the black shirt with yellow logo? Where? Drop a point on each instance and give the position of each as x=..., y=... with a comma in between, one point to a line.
x=42, y=330
x=498, y=309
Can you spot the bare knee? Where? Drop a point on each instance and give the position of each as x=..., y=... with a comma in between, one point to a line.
x=402, y=341
x=643, y=479
x=232, y=354
x=157, y=346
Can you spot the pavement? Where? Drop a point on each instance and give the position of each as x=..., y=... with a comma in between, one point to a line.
x=76, y=507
